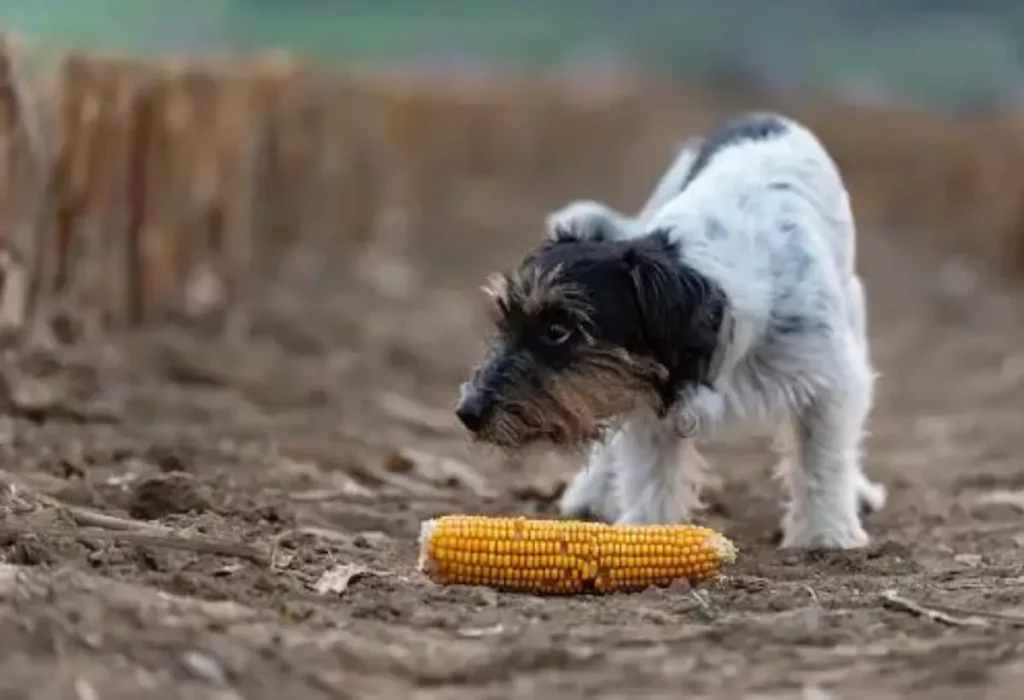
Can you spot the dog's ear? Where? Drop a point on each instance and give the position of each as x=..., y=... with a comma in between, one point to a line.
x=679, y=309
x=655, y=289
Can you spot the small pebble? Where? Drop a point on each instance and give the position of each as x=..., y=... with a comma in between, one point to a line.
x=204, y=667
x=971, y=560
x=371, y=539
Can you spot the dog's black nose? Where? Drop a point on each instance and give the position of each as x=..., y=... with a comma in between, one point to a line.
x=471, y=410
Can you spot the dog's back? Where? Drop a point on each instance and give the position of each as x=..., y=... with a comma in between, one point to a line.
x=765, y=214
x=765, y=154
x=748, y=174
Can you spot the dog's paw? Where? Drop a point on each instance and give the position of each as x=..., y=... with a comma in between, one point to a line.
x=588, y=497
x=576, y=502
x=825, y=533
x=662, y=512
x=581, y=509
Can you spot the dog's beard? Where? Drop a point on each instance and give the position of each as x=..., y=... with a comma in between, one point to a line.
x=572, y=408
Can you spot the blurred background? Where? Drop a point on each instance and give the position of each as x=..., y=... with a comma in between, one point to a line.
x=254, y=233
x=938, y=52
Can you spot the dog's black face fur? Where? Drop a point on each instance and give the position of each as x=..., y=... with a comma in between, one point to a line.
x=586, y=331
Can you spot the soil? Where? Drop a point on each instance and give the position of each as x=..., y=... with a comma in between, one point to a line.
x=320, y=445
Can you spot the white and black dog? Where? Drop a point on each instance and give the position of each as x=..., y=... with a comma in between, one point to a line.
x=730, y=299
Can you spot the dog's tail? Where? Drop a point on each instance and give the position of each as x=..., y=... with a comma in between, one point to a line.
x=673, y=181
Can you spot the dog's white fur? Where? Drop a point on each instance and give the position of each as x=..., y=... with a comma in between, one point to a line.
x=770, y=221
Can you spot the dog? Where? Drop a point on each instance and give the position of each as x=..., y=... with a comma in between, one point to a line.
x=731, y=299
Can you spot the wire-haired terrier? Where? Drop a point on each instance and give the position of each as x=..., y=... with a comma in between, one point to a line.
x=730, y=299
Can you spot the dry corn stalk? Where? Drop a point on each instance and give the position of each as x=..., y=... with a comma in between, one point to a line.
x=24, y=162
x=152, y=172
x=567, y=557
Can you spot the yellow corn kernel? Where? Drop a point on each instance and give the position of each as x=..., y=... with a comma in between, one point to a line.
x=568, y=556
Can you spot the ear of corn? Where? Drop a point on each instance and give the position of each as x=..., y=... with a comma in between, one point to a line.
x=566, y=557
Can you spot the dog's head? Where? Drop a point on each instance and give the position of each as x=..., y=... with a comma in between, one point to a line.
x=586, y=331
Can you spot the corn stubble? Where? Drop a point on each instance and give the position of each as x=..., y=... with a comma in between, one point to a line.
x=122, y=180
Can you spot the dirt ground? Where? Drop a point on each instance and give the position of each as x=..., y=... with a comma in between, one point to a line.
x=321, y=445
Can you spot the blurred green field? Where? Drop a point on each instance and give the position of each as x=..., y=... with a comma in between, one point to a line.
x=934, y=52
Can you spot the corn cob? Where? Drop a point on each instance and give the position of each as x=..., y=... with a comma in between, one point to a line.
x=567, y=557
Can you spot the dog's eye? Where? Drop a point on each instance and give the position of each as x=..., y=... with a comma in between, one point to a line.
x=556, y=334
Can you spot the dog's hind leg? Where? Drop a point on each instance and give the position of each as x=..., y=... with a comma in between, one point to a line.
x=872, y=495
x=856, y=310
x=826, y=481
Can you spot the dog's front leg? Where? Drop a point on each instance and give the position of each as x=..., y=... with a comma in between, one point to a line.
x=591, y=494
x=659, y=474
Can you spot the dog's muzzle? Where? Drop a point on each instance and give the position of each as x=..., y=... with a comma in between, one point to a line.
x=473, y=407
